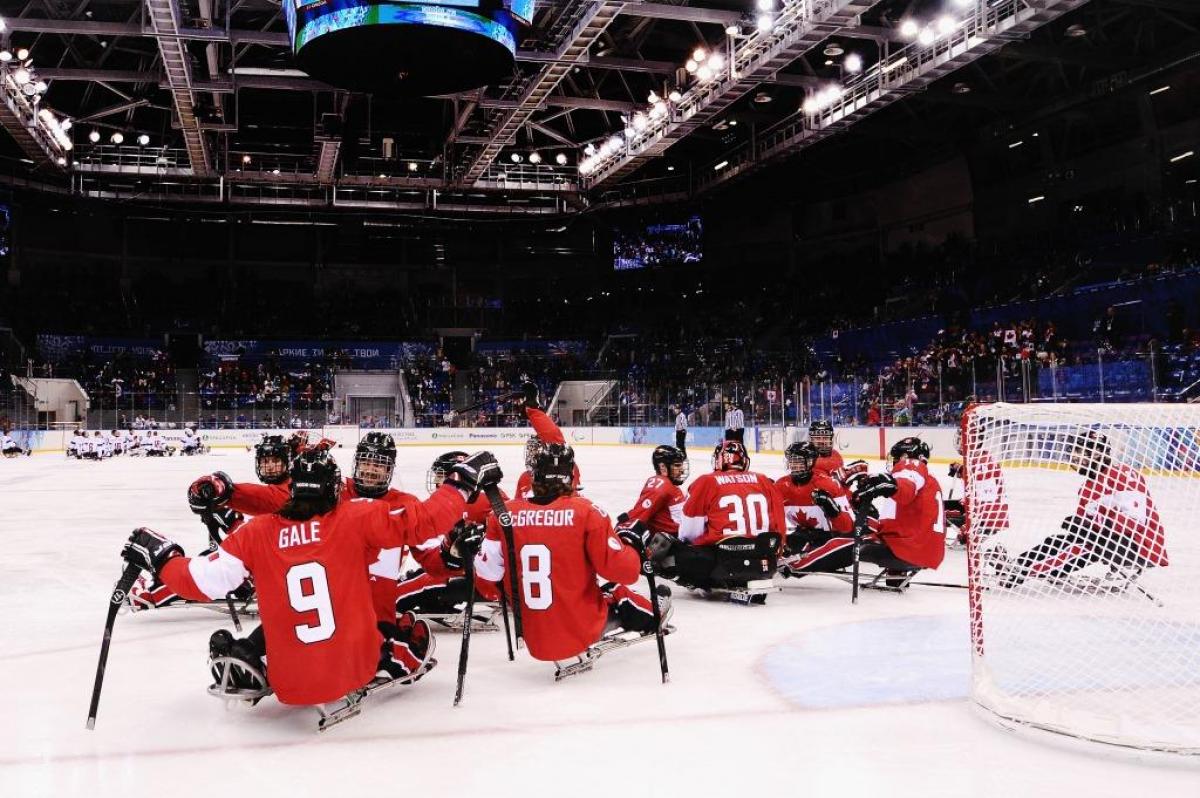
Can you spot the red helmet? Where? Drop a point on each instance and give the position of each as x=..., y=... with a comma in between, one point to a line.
x=730, y=456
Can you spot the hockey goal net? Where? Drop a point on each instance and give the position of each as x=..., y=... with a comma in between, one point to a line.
x=1084, y=570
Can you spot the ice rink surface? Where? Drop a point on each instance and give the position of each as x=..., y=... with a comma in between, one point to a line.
x=805, y=696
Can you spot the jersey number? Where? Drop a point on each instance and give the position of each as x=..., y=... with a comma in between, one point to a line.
x=535, y=576
x=314, y=598
x=939, y=523
x=752, y=507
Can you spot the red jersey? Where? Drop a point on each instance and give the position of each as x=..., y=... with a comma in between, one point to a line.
x=800, y=511
x=660, y=506
x=1118, y=498
x=562, y=546
x=912, y=522
x=829, y=464
x=314, y=597
x=726, y=504
x=985, y=499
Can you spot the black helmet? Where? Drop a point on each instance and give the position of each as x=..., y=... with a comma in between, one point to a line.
x=374, y=463
x=820, y=434
x=1088, y=452
x=800, y=458
x=910, y=447
x=669, y=456
x=730, y=456
x=437, y=472
x=272, y=458
x=554, y=465
x=316, y=477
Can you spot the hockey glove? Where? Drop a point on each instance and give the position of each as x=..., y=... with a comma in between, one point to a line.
x=851, y=470
x=476, y=473
x=635, y=534
x=870, y=488
x=468, y=542
x=529, y=391
x=451, y=556
x=826, y=503
x=149, y=550
x=208, y=493
x=956, y=471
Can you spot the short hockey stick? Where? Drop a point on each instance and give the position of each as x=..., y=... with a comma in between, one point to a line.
x=505, y=520
x=504, y=398
x=652, y=584
x=214, y=537
x=128, y=577
x=464, y=652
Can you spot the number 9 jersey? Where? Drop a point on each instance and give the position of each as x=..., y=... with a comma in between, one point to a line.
x=726, y=504
x=561, y=547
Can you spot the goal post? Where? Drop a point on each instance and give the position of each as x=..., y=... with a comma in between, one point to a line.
x=1084, y=570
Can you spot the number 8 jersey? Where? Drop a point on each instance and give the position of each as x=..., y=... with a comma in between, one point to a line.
x=726, y=504
x=562, y=546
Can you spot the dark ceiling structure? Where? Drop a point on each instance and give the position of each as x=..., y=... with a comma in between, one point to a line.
x=198, y=101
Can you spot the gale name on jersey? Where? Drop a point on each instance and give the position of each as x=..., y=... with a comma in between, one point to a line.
x=300, y=534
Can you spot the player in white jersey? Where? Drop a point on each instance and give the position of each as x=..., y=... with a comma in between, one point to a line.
x=190, y=443
x=73, y=445
x=9, y=447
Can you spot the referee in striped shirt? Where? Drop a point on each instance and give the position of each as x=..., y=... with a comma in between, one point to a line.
x=680, y=430
x=735, y=423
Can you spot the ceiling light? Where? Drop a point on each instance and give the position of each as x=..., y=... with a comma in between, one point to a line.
x=143, y=140
x=652, y=98
x=21, y=76
x=515, y=157
x=382, y=176
x=1036, y=199
x=671, y=168
x=589, y=150
x=909, y=29
x=640, y=123
x=41, y=86
x=412, y=166
x=853, y=63
x=1181, y=156
x=117, y=138
x=275, y=171
x=716, y=63
x=535, y=157
x=699, y=54
x=764, y=23
x=1075, y=31
x=62, y=161
x=5, y=56
x=720, y=166
x=22, y=53
x=926, y=36
x=246, y=158
x=964, y=88
x=833, y=49
x=721, y=125
x=765, y=5
x=690, y=66
x=2, y=25
x=561, y=159
x=674, y=96
x=732, y=30
x=763, y=97
x=94, y=136
x=733, y=123
x=704, y=73
x=946, y=24
x=1191, y=182
x=1160, y=90
x=964, y=3
x=1015, y=144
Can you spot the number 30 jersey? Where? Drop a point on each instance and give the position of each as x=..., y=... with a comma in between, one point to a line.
x=726, y=504
x=314, y=594
x=561, y=547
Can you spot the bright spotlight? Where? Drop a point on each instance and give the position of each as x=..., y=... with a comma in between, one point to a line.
x=5, y=56
x=909, y=29
x=716, y=63
x=764, y=23
x=945, y=24
x=765, y=5
x=21, y=76
x=515, y=157
x=412, y=166
x=690, y=66
x=143, y=140
x=699, y=55
x=704, y=73
x=22, y=53
x=640, y=121
x=560, y=159
x=926, y=36
x=854, y=63
x=94, y=136
x=117, y=138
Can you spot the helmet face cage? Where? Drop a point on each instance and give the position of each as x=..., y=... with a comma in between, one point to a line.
x=437, y=472
x=674, y=461
x=1089, y=452
x=374, y=464
x=800, y=459
x=533, y=447
x=730, y=456
x=271, y=460
x=820, y=434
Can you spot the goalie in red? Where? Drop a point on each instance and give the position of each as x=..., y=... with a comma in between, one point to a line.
x=319, y=638
x=1115, y=522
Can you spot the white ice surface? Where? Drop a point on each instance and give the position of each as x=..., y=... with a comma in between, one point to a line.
x=805, y=696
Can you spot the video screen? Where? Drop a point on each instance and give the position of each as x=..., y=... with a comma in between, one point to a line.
x=652, y=246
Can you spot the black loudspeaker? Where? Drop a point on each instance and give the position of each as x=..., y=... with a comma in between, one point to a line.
x=184, y=349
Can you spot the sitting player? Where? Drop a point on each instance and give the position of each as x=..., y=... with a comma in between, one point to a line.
x=9, y=447
x=983, y=510
x=73, y=449
x=659, y=508
x=815, y=506
x=730, y=532
x=829, y=459
x=191, y=442
x=910, y=532
x=157, y=446
x=440, y=585
x=545, y=432
x=564, y=545
x=1114, y=523
x=309, y=562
